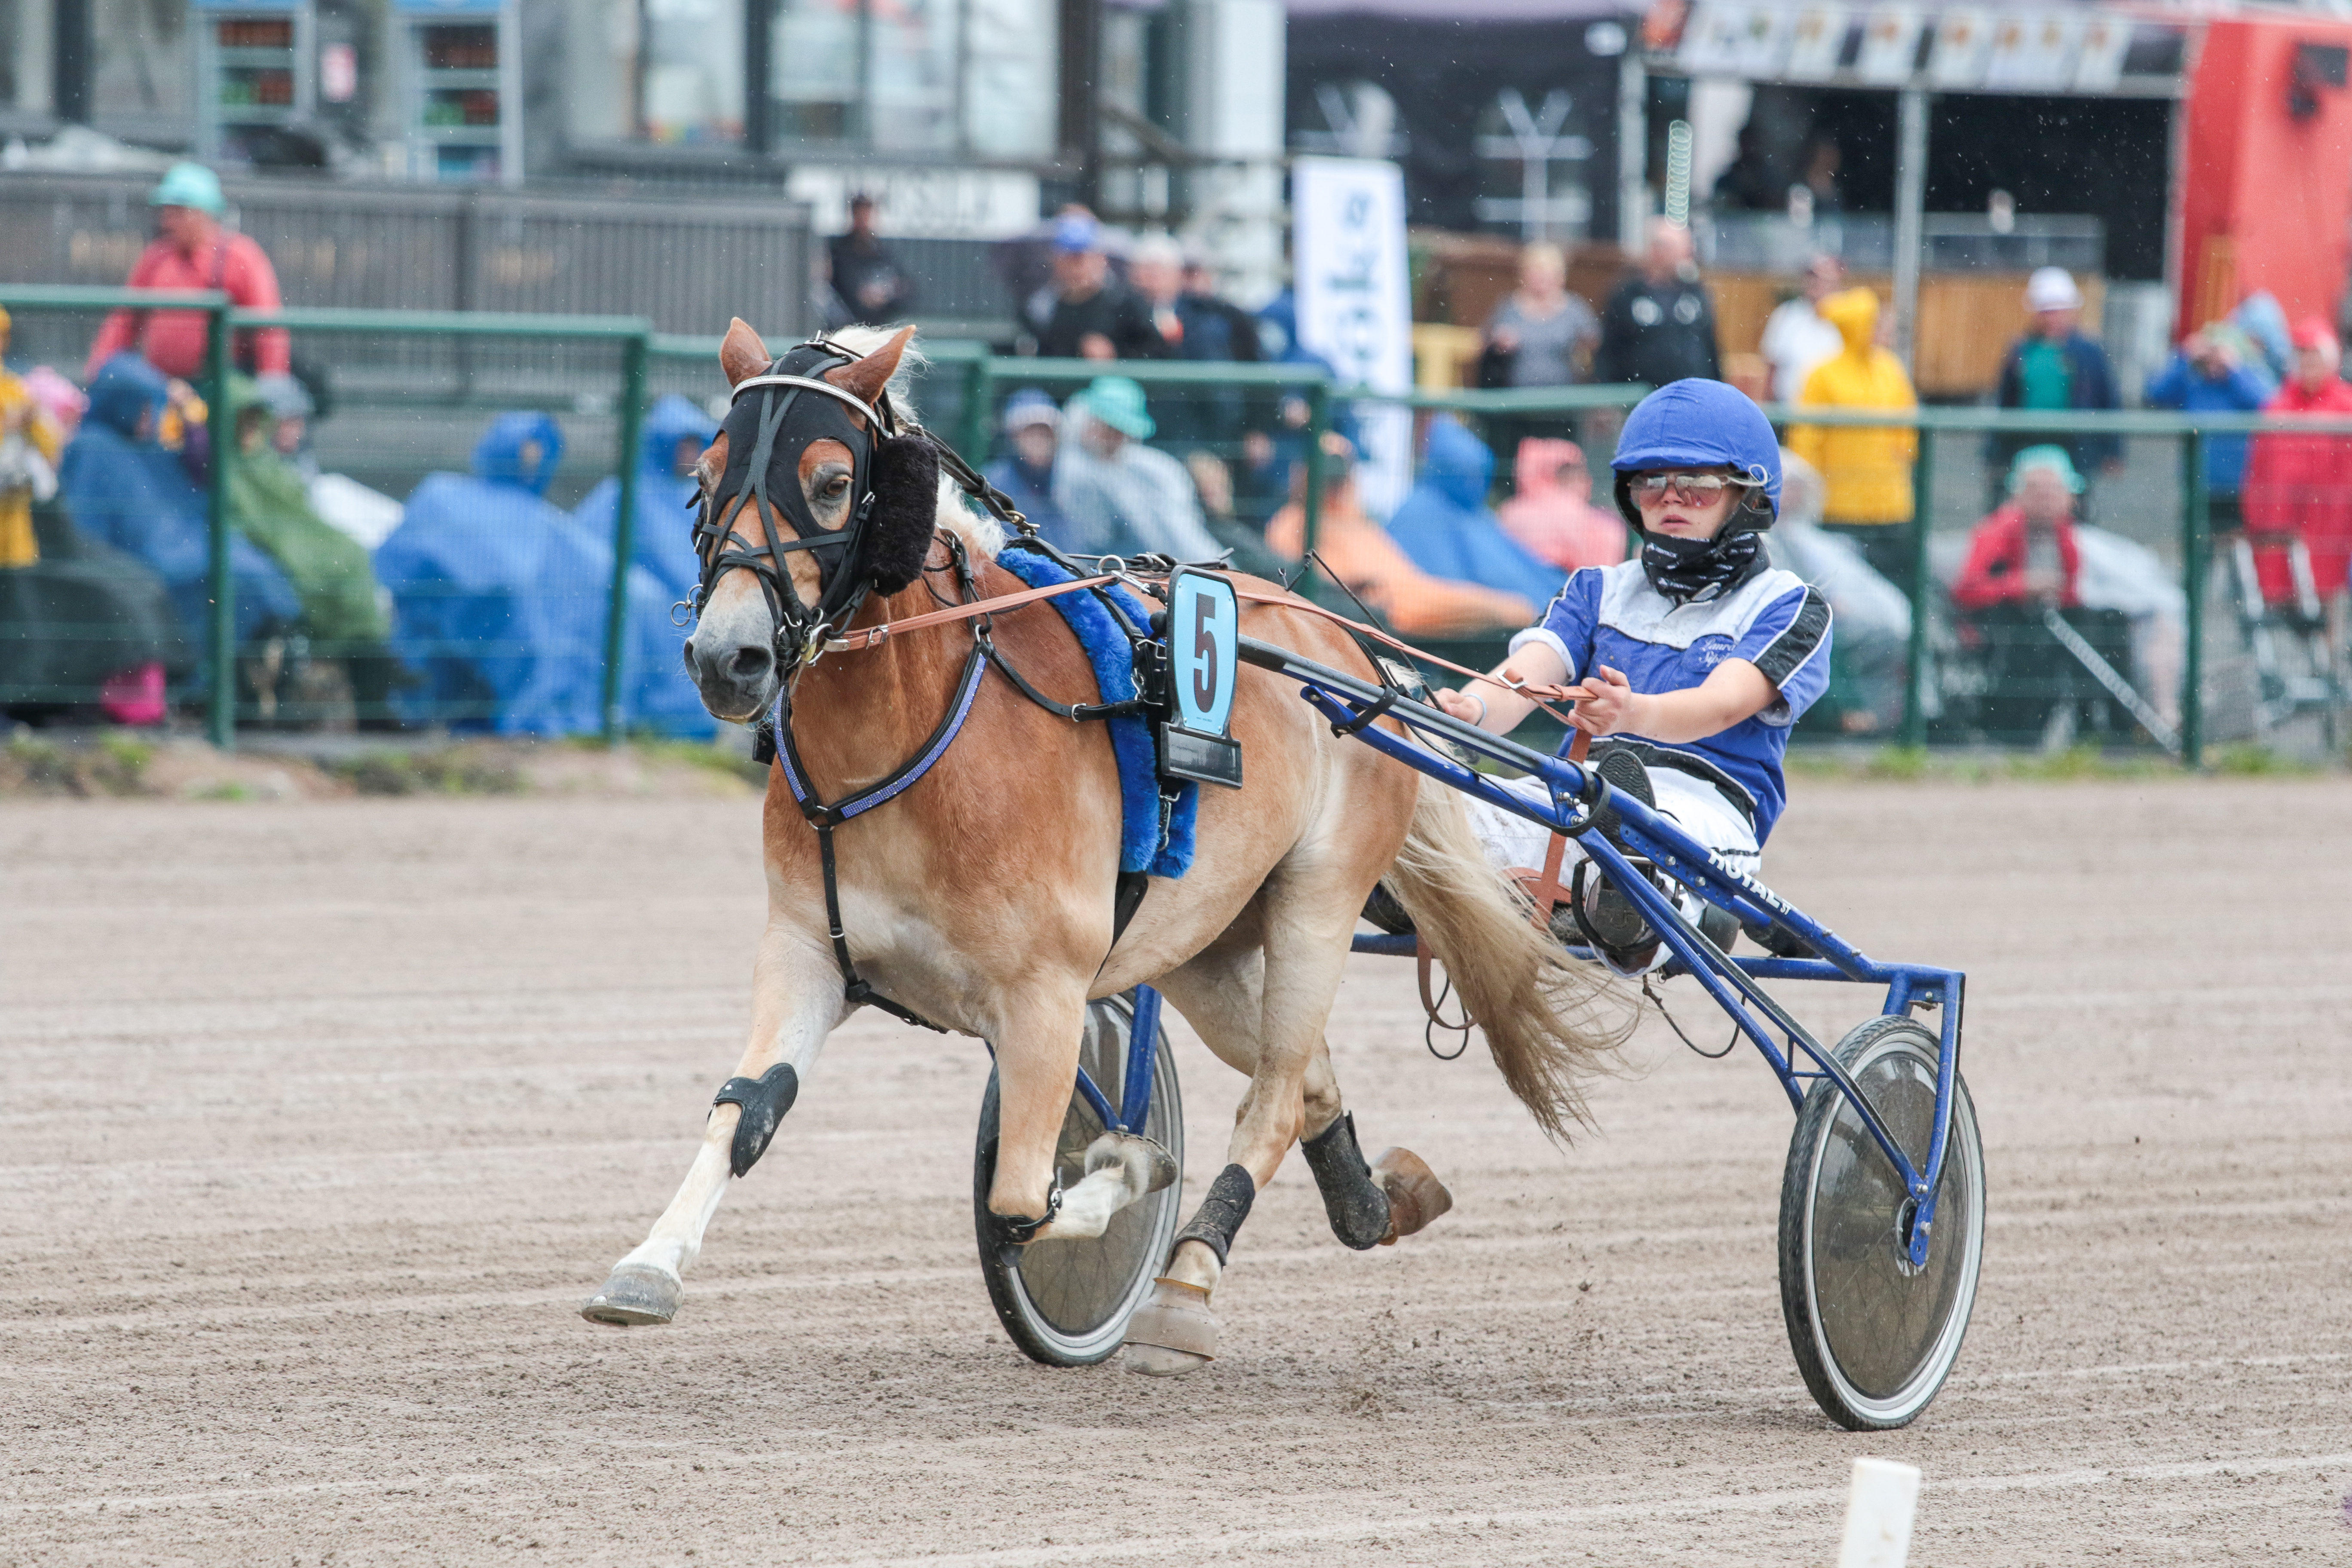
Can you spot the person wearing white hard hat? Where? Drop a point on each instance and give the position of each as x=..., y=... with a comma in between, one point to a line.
x=2054, y=367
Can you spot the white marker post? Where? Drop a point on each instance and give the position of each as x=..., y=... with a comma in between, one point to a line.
x=1878, y=1514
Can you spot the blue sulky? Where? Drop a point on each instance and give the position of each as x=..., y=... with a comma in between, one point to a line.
x=1876, y=1304
x=1581, y=798
x=1578, y=798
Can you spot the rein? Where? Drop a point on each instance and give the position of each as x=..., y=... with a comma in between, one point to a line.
x=1542, y=696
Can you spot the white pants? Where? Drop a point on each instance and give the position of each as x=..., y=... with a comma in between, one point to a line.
x=1695, y=807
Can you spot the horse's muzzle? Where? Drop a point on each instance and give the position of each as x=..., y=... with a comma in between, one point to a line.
x=737, y=677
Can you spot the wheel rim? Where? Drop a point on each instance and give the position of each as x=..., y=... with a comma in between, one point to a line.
x=1888, y=1332
x=1080, y=1292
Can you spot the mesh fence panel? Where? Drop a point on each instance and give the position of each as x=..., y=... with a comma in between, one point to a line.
x=475, y=602
x=433, y=547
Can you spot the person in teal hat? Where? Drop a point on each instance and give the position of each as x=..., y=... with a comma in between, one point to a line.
x=2025, y=552
x=2025, y=561
x=193, y=249
x=1123, y=497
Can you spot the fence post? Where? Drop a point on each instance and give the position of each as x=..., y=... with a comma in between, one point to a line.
x=624, y=522
x=2194, y=547
x=221, y=429
x=972, y=439
x=1923, y=521
x=1318, y=419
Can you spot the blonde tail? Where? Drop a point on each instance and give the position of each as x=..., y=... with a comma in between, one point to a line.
x=1550, y=1021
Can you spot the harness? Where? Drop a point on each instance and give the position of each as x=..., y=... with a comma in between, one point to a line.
x=800, y=629
x=804, y=632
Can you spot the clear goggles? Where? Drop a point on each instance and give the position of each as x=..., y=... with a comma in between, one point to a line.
x=1690, y=490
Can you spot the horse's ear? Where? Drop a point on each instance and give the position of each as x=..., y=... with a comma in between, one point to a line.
x=742, y=354
x=867, y=377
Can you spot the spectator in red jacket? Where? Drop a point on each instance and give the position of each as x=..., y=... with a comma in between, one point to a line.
x=2303, y=484
x=193, y=251
x=2025, y=554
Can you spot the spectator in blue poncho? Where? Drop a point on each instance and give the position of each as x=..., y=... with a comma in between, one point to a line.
x=656, y=693
x=676, y=432
x=1268, y=460
x=123, y=488
x=499, y=602
x=1444, y=525
x=497, y=599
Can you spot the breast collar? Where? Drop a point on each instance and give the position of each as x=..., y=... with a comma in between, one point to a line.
x=772, y=421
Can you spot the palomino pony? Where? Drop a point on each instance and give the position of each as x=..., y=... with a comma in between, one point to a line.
x=981, y=897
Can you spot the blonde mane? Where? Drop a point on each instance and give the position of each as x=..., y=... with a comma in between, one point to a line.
x=982, y=534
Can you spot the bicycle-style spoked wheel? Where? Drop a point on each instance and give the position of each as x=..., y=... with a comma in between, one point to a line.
x=1874, y=1337
x=1066, y=1302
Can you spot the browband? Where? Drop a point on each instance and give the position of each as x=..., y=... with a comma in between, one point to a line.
x=813, y=384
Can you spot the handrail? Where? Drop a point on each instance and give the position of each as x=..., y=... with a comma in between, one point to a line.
x=2060, y=422
x=74, y=297
x=443, y=323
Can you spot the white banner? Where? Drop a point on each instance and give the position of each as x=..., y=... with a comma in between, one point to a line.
x=1354, y=296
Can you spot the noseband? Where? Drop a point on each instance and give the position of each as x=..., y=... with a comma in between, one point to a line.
x=773, y=420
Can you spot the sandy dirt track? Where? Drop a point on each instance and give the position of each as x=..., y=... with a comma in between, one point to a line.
x=319, y=1120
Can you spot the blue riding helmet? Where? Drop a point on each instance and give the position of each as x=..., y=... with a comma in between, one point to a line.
x=1698, y=424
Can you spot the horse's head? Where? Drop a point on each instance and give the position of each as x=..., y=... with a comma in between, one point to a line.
x=812, y=497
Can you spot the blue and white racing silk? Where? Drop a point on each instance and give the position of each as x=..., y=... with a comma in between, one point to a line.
x=1610, y=615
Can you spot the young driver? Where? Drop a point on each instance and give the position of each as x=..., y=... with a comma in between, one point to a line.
x=1693, y=659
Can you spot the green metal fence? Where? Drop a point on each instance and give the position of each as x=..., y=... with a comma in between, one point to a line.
x=963, y=385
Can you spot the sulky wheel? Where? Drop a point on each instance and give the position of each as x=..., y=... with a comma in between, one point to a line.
x=1874, y=1337
x=1066, y=1302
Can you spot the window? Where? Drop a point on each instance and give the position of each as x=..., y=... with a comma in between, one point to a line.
x=1009, y=78
x=141, y=72
x=945, y=76
x=690, y=70
x=656, y=71
x=25, y=56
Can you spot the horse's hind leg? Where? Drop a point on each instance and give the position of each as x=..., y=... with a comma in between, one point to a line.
x=1305, y=919
x=1222, y=996
x=796, y=1002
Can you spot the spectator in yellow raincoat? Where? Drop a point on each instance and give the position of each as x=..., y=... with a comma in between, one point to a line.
x=1866, y=469
x=30, y=446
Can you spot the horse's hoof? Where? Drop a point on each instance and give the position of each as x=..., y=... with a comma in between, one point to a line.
x=635, y=1295
x=1148, y=1166
x=1416, y=1194
x=1173, y=1334
x=1158, y=1361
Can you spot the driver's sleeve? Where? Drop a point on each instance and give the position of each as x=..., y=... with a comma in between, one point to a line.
x=1789, y=642
x=1568, y=625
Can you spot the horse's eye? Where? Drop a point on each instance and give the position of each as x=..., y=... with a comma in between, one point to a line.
x=836, y=487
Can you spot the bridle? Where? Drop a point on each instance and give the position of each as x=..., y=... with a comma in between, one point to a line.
x=764, y=438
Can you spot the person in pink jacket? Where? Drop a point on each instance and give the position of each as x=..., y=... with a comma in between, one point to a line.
x=1553, y=516
x=194, y=251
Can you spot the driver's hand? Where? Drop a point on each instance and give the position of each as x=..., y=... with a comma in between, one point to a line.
x=1603, y=701
x=1461, y=705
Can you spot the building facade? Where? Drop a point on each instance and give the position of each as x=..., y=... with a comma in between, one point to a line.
x=969, y=118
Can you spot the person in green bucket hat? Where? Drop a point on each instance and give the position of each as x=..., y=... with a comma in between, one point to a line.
x=1123, y=497
x=1118, y=400
x=193, y=251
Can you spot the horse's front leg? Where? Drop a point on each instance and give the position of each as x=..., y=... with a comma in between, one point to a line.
x=796, y=1002
x=1036, y=1071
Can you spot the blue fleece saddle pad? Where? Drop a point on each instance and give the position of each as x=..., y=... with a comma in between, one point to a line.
x=1146, y=844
